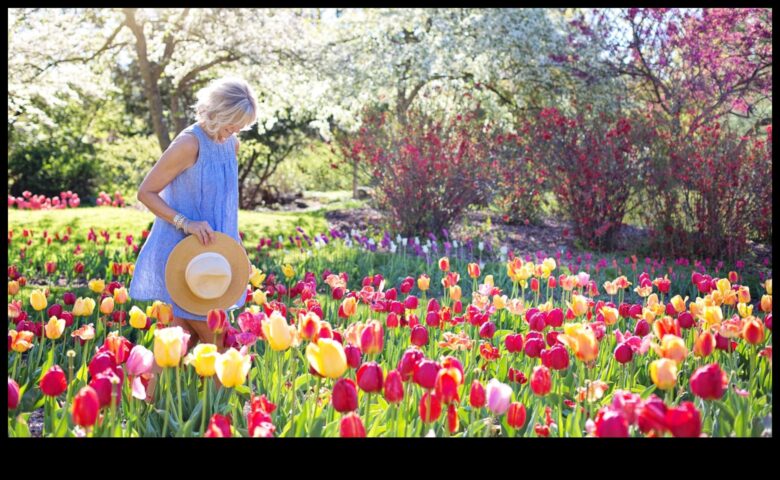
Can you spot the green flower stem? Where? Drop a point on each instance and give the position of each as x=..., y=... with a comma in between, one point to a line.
x=163, y=376
x=178, y=393
x=204, y=411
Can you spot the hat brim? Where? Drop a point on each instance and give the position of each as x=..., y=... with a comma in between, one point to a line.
x=180, y=257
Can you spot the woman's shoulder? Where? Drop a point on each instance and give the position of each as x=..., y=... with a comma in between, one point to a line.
x=186, y=147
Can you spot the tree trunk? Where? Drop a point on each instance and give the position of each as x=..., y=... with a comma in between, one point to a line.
x=150, y=74
x=354, y=178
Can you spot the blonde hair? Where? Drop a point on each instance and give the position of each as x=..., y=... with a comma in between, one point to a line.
x=229, y=100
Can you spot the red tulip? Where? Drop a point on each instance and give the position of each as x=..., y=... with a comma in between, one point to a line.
x=447, y=382
x=394, y=387
x=611, y=424
x=487, y=330
x=684, y=420
x=408, y=362
x=624, y=353
x=219, y=427
x=351, y=426
x=13, y=394
x=69, y=298
x=104, y=386
x=411, y=302
x=372, y=338
x=685, y=319
x=709, y=382
x=54, y=311
x=432, y=319
x=85, y=407
x=102, y=360
x=452, y=418
x=344, y=397
x=216, y=320
x=556, y=358
x=54, y=382
x=477, y=397
x=514, y=343
x=419, y=336
x=533, y=346
x=642, y=328
x=354, y=357
x=651, y=416
x=425, y=373
x=515, y=416
x=78, y=267
x=541, y=382
x=430, y=407
x=369, y=377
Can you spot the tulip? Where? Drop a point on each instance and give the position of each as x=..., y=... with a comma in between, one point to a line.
x=673, y=348
x=204, y=358
x=394, y=387
x=610, y=315
x=13, y=287
x=419, y=336
x=327, y=357
x=753, y=331
x=581, y=339
x=578, y=304
x=140, y=361
x=344, y=397
x=232, y=367
x=444, y=264
x=684, y=420
x=408, y=362
x=514, y=343
x=664, y=373
x=372, y=338
x=68, y=298
x=624, y=353
x=354, y=356
x=453, y=422
x=477, y=398
x=288, y=271
x=219, y=427
x=370, y=377
x=541, y=382
x=163, y=313
x=13, y=394
x=54, y=328
x=53, y=382
x=137, y=318
x=103, y=383
x=611, y=423
x=38, y=300
x=216, y=319
x=516, y=415
x=709, y=382
x=430, y=407
x=446, y=384
x=473, y=270
x=556, y=358
x=120, y=295
x=86, y=406
x=170, y=344
x=455, y=293
x=423, y=282
x=107, y=305
x=97, y=286
x=533, y=346
x=704, y=344
x=351, y=426
x=278, y=332
x=259, y=297
x=83, y=307
x=425, y=373
x=257, y=277
x=498, y=397
x=554, y=318
x=348, y=307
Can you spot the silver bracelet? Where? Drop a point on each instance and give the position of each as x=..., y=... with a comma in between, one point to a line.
x=178, y=221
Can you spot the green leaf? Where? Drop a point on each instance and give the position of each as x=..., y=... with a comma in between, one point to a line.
x=22, y=429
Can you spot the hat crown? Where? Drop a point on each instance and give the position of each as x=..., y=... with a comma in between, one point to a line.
x=208, y=275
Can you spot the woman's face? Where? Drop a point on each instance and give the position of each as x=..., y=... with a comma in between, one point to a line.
x=225, y=132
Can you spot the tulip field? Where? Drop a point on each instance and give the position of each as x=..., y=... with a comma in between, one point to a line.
x=341, y=340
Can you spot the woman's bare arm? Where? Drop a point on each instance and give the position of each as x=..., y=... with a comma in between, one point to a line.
x=180, y=155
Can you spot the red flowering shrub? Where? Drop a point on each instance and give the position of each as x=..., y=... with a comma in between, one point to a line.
x=518, y=193
x=591, y=163
x=427, y=171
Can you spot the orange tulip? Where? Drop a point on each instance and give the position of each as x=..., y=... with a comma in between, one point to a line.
x=473, y=269
x=704, y=344
x=753, y=331
x=579, y=337
x=766, y=303
x=672, y=347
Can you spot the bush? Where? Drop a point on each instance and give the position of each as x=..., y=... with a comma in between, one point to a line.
x=591, y=163
x=124, y=162
x=711, y=192
x=519, y=184
x=428, y=171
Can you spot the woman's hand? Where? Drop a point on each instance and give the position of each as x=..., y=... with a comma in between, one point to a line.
x=203, y=231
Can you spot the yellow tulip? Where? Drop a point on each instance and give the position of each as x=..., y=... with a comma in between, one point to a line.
x=169, y=345
x=83, y=307
x=38, y=300
x=489, y=280
x=713, y=316
x=204, y=358
x=137, y=318
x=610, y=287
x=21, y=341
x=97, y=286
x=288, y=271
x=723, y=285
x=13, y=287
x=499, y=301
x=107, y=306
x=581, y=340
x=120, y=295
x=766, y=303
x=455, y=293
x=327, y=357
x=54, y=328
x=259, y=297
x=664, y=373
x=744, y=310
x=768, y=286
x=678, y=303
x=231, y=368
x=131, y=269
x=423, y=282
x=579, y=305
x=349, y=306
x=610, y=315
x=257, y=277
x=278, y=332
x=548, y=265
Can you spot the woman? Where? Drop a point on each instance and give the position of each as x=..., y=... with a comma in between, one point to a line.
x=193, y=190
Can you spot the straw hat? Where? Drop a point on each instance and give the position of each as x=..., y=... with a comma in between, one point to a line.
x=200, y=278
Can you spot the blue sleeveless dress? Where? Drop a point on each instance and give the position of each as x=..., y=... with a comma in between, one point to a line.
x=207, y=191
